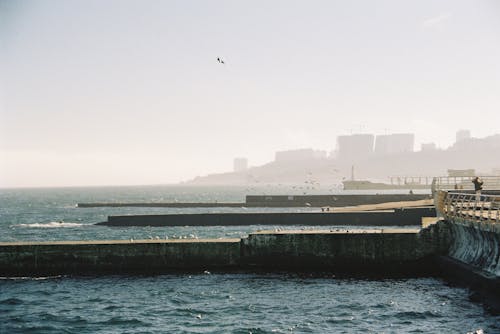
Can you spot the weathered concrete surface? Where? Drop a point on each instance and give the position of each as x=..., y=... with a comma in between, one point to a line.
x=474, y=239
x=275, y=201
x=116, y=256
x=398, y=217
x=472, y=258
x=476, y=244
x=354, y=251
x=162, y=204
x=328, y=200
x=374, y=251
x=385, y=206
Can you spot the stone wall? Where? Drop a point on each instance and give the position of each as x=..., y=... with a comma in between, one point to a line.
x=398, y=217
x=374, y=251
x=145, y=256
x=476, y=244
x=407, y=251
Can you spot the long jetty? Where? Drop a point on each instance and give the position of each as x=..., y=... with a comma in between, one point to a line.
x=355, y=251
x=396, y=217
x=274, y=201
x=385, y=214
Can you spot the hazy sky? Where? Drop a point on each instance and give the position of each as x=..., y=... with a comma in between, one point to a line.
x=130, y=92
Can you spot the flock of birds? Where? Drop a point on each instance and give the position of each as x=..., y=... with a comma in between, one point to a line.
x=309, y=185
x=191, y=236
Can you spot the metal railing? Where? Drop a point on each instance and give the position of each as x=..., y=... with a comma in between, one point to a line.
x=471, y=207
x=464, y=183
x=411, y=180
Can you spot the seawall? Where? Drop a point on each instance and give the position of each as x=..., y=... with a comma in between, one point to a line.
x=473, y=258
x=473, y=231
x=162, y=205
x=116, y=256
x=275, y=201
x=477, y=244
x=328, y=200
x=397, y=217
x=354, y=251
x=382, y=252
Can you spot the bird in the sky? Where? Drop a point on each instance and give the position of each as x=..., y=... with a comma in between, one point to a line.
x=220, y=60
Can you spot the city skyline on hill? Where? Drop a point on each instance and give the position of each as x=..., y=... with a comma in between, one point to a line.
x=366, y=144
x=366, y=163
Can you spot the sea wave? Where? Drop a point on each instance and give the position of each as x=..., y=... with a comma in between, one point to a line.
x=11, y=301
x=30, y=278
x=50, y=225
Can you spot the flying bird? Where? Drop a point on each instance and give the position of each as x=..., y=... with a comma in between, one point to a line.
x=220, y=60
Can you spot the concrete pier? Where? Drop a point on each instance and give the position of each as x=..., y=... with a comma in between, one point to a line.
x=473, y=255
x=472, y=260
x=340, y=200
x=358, y=251
x=396, y=217
x=116, y=256
x=161, y=205
x=274, y=201
x=383, y=251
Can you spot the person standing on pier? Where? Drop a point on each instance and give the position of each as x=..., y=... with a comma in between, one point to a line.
x=478, y=186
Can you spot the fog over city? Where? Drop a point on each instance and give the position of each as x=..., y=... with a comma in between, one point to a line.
x=160, y=92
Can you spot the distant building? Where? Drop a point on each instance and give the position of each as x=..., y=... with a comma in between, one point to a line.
x=299, y=155
x=394, y=143
x=428, y=147
x=472, y=144
x=461, y=172
x=462, y=135
x=240, y=164
x=355, y=147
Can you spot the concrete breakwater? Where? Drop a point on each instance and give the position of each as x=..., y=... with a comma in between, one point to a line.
x=329, y=200
x=473, y=258
x=397, y=217
x=356, y=251
x=115, y=256
x=275, y=201
x=385, y=251
x=477, y=244
x=161, y=205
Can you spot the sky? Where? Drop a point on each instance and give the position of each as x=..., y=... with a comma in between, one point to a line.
x=130, y=92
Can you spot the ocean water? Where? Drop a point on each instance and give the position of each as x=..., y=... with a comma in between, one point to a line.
x=203, y=302
x=51, y=214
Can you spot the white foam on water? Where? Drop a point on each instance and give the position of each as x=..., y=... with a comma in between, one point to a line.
x=50, y=225
x=30, y=278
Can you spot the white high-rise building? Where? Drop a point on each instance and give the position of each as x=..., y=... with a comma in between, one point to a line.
x=394, y=143
x=240, y=164
x=354, y=147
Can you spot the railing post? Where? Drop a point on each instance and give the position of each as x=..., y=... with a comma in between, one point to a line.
x=462, y=206
x=481, y=211
x=468, y=206
x=489, y=211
